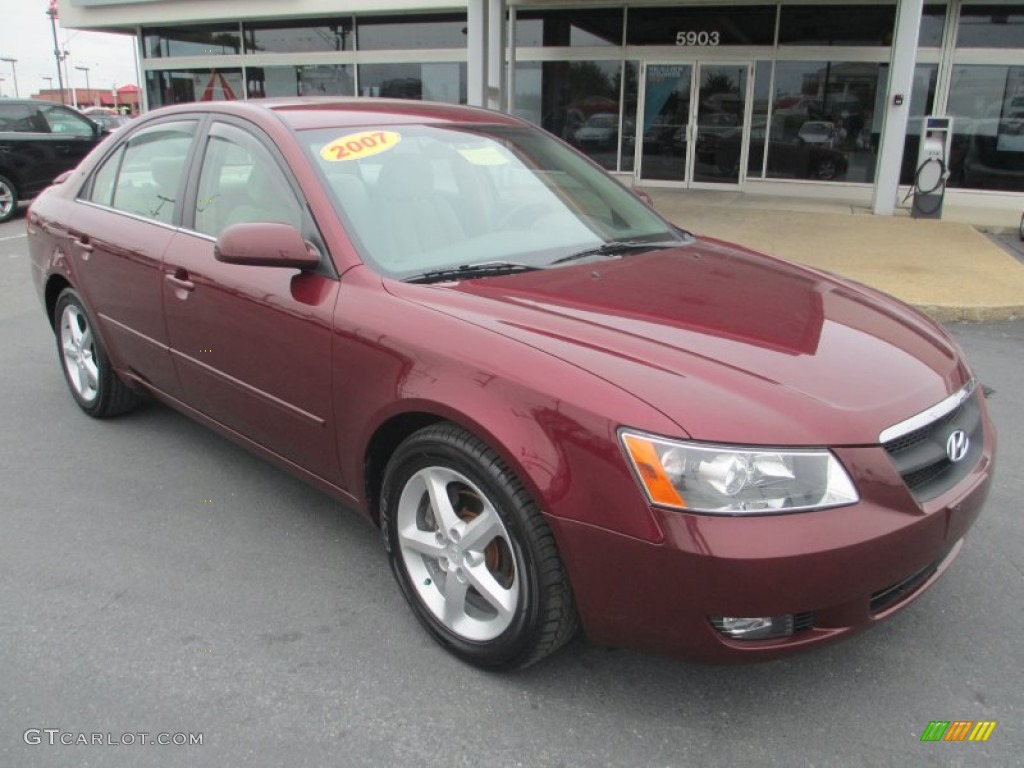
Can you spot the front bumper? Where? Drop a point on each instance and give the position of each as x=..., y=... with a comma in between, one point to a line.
x=840, y=570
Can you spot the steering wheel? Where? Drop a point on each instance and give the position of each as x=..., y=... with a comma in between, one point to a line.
x=523, y=216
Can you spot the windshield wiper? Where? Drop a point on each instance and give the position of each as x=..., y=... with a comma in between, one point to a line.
x=614, y=248
x=464, y=271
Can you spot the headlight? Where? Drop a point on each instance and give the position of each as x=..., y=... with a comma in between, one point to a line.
x=727, y=480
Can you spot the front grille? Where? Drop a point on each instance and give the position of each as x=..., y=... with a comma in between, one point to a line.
x=885, y=598
x=920, y=456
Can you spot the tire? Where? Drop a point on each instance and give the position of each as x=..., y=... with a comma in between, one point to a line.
x=93, y=383
x=477, y=563
x=1020, y=227
x=826, y=169
x=8, y=199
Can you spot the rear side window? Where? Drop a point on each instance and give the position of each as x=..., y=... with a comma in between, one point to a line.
x=144, y=175
x=21, y=118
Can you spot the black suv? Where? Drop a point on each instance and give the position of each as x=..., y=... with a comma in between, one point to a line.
x=39, y=140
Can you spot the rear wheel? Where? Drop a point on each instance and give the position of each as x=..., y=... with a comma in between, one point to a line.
x=8, y=199
x=826, y=168
x=87, y=370
x=472, y=553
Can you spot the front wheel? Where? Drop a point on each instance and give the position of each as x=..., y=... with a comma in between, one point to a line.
x=87, y=370
x=472, y=553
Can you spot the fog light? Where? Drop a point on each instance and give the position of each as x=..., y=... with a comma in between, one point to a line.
x=754, y=628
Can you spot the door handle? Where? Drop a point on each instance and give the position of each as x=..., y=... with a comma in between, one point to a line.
x=182, y=285
x=82, y=244
x=180, y=280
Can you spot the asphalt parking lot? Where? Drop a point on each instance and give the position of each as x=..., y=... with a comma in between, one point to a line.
x=155, y=578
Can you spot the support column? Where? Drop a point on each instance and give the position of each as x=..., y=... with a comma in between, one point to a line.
x=476, y=49
x=496, y=36
x=894, y=126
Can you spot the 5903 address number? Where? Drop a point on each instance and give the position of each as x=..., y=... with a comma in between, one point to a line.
x=701, y=38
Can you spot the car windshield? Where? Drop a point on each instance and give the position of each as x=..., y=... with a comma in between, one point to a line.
x=426, y=198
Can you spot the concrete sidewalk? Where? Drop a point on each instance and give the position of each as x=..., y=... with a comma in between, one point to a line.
x=948, y=269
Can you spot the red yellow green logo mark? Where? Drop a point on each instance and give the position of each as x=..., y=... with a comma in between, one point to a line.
x=958, y=730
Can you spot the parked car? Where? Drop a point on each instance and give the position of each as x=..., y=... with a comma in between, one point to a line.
x=39, y=140
x=600, y=130
x=796, y=158
x=108, y=119
x=820, y=132
x=559, y=409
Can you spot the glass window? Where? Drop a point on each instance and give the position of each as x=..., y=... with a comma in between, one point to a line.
x=991, y=26
x=64, y=121
x=578, y=101
x=821, y=120
x=631, y=72
x=584, y=26
x=187, y=85
x=987, y=105
x=837, y=24
x=204, y=40
x=311, y=80
x=933, y=20
x=21, y=118
x=473, y=194
x=241, y=182
x=441, y=81
x=922, y=100
x=759, y=118
x=144, y=176
x=411, y=32
x=701, y=27
x=104, y=180
x=300, y=36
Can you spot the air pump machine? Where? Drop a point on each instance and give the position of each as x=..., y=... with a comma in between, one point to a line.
x=932, y=167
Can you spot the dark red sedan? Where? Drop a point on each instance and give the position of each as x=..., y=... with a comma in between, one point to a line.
x=561, y=410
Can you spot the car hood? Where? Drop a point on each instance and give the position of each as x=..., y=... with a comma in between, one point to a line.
x=732, y=345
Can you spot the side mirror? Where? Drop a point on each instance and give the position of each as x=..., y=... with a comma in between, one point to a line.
x=265, y=244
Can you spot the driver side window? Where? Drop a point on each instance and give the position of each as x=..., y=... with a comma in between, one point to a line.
x=241, y=182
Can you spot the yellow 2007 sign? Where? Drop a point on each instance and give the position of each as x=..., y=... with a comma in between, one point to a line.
x=356, y=146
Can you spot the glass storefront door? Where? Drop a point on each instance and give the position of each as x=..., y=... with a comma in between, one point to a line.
x=663, y=133
x=694, y=122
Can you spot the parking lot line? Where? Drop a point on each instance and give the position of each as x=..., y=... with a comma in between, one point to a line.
x=12, y=237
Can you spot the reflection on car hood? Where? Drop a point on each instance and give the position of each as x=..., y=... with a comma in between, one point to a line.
x=732, y=345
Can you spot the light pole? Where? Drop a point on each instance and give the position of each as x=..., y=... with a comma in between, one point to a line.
x=14, y=72
x=88, y=90
x=52, y=13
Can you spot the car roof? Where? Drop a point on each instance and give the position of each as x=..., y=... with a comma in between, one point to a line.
x=333, y=112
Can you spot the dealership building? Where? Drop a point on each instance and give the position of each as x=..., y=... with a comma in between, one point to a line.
x=809, y=99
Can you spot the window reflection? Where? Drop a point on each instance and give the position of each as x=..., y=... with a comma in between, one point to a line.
x=187, y=85
x=411, y=32
x=987, y=105
x=578, y=101
x=324, y=80
x=823, y=121
x=441, y=81
x=837, y=24
x=200, y=40
x=299, y=37
x=590, y=26
x=991, y=26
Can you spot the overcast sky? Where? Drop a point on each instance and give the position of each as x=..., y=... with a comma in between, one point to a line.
x=25, y=35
